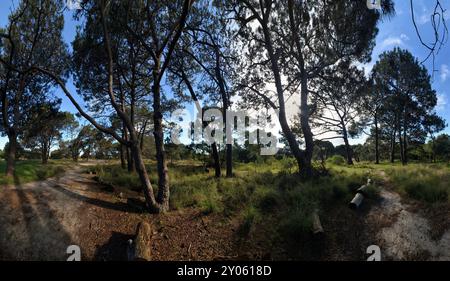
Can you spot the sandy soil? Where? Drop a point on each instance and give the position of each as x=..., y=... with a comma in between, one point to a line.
x=404, y=232
x=38, y=221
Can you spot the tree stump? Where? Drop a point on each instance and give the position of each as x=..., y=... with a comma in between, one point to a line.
x=142, y=242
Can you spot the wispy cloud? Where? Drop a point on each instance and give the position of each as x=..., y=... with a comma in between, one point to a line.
x=392, y=41
x=404, y=37
x=424, y=18
x=441, y=101
x=445, y=72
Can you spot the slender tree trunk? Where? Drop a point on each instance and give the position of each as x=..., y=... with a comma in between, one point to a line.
x=393, y=146
x=141, y=142
x=123, y=163
x=400, y=139
x=306, y=157
x=123, y=148
x=229, y=160
x=141, y=170
x=348, y=149
x=216, y=159
x=45, y=153
x=405, y=141
x=377, y=152
x=11, y=154
x=12, y=130
x=226, y=106
x=288, y=134
x=163, y=175
x=306, y=129
x=132, y=164
x=130, y=161
x=214, y=150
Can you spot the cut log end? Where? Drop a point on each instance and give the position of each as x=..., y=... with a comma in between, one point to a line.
x=142, y=242
x=356, y=202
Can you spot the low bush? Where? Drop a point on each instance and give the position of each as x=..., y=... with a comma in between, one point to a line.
x=338, y=160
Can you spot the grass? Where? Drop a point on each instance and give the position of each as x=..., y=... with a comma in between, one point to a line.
x=269, y=195
x=32, y=170
x=268, y=200
x=257, y=191
x=426, y=183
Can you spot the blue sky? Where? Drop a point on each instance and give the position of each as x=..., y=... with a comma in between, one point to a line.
x=397, y=31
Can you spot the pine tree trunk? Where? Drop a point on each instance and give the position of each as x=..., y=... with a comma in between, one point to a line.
x=400, y=140
x=377, y=152
x=393, y=146
x=163, y=175
x=44, y=153
x=306, y=129
x=405, y=142
x=152, y=204
x=348, y=149
x=123, y=163
x=229, y=160
x=216, y=159
x=11, y=154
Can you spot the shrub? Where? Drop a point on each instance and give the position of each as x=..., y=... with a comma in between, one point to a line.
x=421, y=183
x=338, y=160
x=42, y=173
x=267, y=200
x=250, y=216
x=427, y=193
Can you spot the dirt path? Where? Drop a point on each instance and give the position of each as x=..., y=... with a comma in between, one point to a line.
x=403, y=232
x=39, y=220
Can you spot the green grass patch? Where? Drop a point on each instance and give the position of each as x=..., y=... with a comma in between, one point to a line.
x=32, y=170
x=426, y=183
x=258, y=190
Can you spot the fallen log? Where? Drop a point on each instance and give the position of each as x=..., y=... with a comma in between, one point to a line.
x=142, y=242
x=357, y=200
x=363, y=188
x=317, y=228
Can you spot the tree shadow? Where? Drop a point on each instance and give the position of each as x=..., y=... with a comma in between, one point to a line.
x=117, y=206
x=115, y=249
x=46, y=238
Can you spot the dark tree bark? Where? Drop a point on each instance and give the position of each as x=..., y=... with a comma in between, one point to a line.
x=377, y=152
x=123, y=163
x=400, y=140
x=45, y=152
x=214, y=150
x=348, y=149
x=393, y=145
x=226, y=106
x=11, y=154
x=216, y=159
x=158, y=132
x=306, y=170
x=405, y=140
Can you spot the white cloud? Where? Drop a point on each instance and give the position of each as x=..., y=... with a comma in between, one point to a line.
x=445, y=72
x=441, y=102
x=424, y=18
x=404, y=37
x=392, y=41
